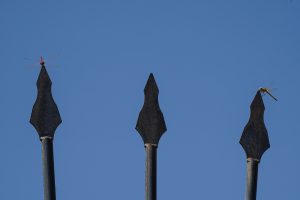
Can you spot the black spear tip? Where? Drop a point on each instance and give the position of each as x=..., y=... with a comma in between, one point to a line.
x=44, y=80
x=151, y=124
x=257, y=102
x=151, y=86
x=255, y=140
x=45, y=116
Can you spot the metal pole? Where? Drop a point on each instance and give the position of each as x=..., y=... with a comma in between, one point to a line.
x=48, y=168
x=151, y=159
x=252, y=171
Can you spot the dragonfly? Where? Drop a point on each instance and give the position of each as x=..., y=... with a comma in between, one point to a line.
x=264, y=90
x=42, y=61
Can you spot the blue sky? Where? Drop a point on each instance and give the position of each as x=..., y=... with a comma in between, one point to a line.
x=208, y=58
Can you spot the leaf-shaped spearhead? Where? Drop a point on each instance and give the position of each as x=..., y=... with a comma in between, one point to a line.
x=45, y=116
x=255, y=140
x=151, y=124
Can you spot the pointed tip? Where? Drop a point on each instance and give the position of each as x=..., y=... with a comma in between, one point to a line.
x=44, y=77
x=257, y=101
x=151, y=77
x=151, y=86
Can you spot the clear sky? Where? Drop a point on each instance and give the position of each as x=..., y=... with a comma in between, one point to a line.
x=208, y=57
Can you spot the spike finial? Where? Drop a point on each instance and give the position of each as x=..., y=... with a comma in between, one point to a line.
x=151, y=124
x=45, y=116
x=255, y=140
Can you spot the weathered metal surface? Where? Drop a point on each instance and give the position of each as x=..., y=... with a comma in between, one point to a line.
x=45, y=116
x=151, y=124
x=255, y=140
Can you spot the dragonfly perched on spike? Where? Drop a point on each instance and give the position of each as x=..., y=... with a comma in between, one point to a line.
x=264, y=90
x=42, y=61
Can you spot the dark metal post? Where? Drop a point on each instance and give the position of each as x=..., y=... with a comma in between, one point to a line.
x=252, y=170
x=151, y=153
x=151, y=125
x=45, y=118
x=48, y=167
x=255, y=142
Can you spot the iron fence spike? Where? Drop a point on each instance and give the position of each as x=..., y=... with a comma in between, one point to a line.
x=45, y=116
x=254, y=139
x=151, y=124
